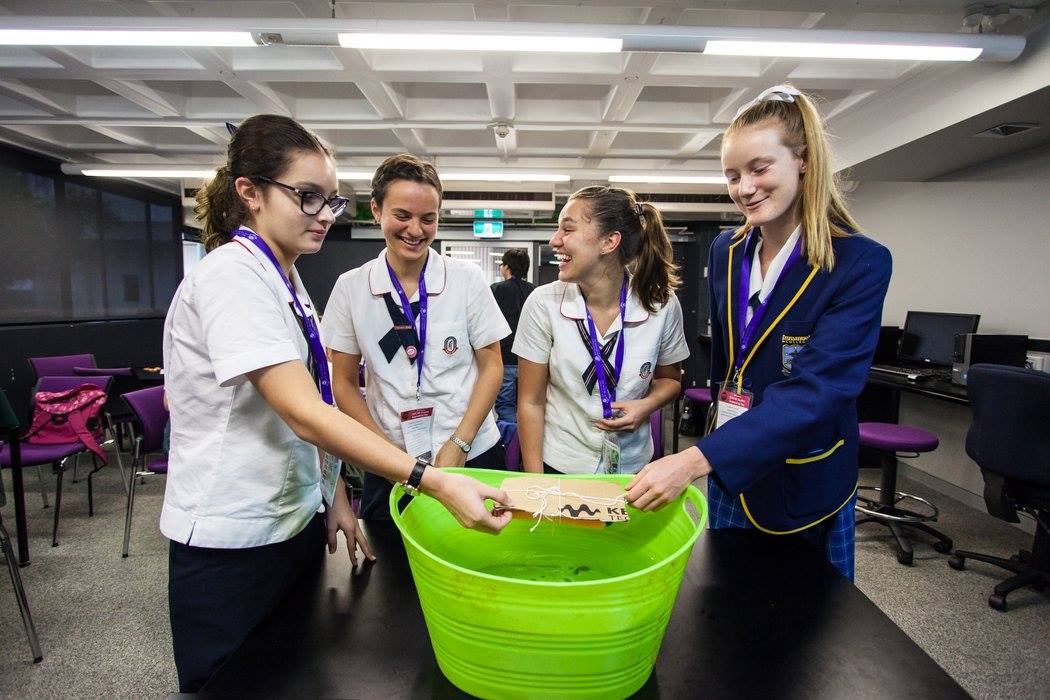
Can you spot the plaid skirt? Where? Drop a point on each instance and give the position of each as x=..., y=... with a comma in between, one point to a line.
x=836, y=536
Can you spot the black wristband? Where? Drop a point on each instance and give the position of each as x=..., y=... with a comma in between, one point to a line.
x=412, y=482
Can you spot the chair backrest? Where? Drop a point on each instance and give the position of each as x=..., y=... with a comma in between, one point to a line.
x=512, y=458
x=61, y=383
x=656, y=424
x=60, y=365
x=1010, y=432
x=148, y=407
x=101, y=371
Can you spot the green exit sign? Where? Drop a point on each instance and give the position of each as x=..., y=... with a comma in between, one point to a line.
x=488, y=213
x=488, y=229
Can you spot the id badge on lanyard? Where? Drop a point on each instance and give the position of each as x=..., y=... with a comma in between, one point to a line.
x=609, y=460
x=330, y=464
x=417, y=417
x=733, y=399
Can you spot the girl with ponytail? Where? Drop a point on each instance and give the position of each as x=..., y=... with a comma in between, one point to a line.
x=796, y=303
x=600, y=349
x=255, y=436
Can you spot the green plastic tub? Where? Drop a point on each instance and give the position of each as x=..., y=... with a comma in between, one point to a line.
x=562, y=611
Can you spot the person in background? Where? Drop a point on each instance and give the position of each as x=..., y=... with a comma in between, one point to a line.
x=511, y=294
x=428, y=329
x=796, y=303
x=250, y=501
x=600, y=349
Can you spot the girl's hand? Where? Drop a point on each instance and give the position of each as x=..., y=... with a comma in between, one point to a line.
x=465, y=499
x=450, y=455
x=342, y=518
x=633, y=415
x=662, y=481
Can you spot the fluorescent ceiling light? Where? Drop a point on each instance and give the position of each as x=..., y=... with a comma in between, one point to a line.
x=671, y=179
x=354, y=175
x=204, y=174
x=117, y=37
x=461, y=253
x=800, y=49
x=479, y=42
x=506, y=177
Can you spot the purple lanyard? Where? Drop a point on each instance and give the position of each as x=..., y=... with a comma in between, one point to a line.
x=607, y=395
x=748, y=330
x=313, y=336
x=406, y=307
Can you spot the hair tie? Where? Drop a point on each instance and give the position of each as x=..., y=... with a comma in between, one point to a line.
x=777, y=93
x=638, y=209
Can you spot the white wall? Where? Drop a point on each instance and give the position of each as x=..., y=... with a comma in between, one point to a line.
x=977, y=241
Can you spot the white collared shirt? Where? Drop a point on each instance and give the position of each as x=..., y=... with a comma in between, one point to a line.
x=461, y=315
x=237, y=475
x=548, y=334
x=765, y=285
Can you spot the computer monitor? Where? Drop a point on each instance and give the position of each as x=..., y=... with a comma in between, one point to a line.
x=929, y=337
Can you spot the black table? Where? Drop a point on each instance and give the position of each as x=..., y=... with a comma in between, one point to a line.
x=932, y=388
x=756, y=617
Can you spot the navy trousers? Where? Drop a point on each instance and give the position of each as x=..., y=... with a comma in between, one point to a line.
x=217, y=596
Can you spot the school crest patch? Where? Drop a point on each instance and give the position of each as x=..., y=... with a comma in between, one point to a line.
x=646, y=370
x=450, y=346
x=790, y=345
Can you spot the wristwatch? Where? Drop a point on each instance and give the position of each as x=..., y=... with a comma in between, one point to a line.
x=411, y=484
x=461, y=444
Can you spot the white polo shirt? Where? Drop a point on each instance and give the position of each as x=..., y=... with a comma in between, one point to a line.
x=237, y=475
x=462, y=315
x=548, y=334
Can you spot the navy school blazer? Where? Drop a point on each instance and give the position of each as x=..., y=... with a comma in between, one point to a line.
x=792, y=458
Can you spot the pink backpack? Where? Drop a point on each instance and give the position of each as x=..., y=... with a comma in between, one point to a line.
x=67, y=416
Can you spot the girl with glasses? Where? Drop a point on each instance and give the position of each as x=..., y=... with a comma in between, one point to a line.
x=796, y=303
x=427, y=328
x=250, y=397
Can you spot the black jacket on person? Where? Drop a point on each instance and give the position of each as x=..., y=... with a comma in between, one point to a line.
x=511, y=295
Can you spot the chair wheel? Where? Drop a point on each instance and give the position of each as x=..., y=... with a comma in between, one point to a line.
x=956, y=562
x=997, y=601
x=943, y=546
x=904, y=558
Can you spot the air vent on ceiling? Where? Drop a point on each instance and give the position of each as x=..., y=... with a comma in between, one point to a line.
x=1005, y=129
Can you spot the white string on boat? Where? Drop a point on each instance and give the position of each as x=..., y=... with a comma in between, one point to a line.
x=543, y=495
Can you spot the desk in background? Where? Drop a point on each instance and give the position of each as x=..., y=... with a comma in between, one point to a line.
x=754, y=618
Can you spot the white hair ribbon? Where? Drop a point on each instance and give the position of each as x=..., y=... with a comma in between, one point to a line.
x=777, y=93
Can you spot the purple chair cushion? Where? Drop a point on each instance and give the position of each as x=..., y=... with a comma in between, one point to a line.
x=697, y=393
x=41, y=454
x=158, y=465
x=897, y=438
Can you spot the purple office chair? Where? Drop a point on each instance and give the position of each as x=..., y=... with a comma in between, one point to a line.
x=656, y=425
x=57, y=455
x=60, y=365
x=512, y=453
x=147, y=405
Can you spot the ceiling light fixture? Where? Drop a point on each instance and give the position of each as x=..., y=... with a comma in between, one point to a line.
x=812, y=49
x=505, y=177
x=118, y=37
x=480, y=42
x=670, y=179
x=171, y=174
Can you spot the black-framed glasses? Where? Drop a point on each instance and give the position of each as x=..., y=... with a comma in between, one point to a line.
x=311, y=203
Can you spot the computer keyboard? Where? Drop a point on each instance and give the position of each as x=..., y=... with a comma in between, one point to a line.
x=915, y=373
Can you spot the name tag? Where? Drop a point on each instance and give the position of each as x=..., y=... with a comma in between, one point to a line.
x=417, y=424
x=732, y=404
x=330, y=468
